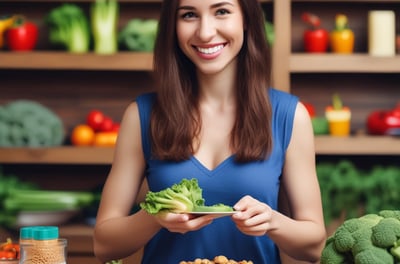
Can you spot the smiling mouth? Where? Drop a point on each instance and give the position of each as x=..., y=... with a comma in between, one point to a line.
x=210, y=50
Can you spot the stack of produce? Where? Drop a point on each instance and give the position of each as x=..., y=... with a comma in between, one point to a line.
x=99, y=130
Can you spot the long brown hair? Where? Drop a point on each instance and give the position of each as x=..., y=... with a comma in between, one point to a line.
x=174, y=120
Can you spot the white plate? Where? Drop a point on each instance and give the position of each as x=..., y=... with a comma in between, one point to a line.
x=215, y=214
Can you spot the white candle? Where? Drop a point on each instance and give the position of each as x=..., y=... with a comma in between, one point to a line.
x=381, y=33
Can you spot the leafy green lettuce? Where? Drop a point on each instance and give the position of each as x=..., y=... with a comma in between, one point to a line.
x=183, y=197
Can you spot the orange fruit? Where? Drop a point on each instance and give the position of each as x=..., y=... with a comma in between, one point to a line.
x=105, y=139
x=82, y=135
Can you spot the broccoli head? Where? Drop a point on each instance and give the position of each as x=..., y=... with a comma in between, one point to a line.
x=370, y=239
x=29, y=123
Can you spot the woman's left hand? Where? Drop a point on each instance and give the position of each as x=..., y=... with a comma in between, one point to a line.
x=254, y=217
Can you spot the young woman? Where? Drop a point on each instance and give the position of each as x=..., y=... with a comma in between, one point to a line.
x=214, y=118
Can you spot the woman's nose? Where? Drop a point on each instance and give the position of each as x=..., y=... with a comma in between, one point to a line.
x=206, y=30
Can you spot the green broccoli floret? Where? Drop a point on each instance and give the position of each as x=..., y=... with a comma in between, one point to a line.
x=330, y=254
x=352, y=229
x=183, y=197
x=390, y=213
x=69, y=26
x=373, y=255
x=386, y=232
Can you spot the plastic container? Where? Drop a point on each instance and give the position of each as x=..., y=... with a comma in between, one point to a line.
x=44, y=247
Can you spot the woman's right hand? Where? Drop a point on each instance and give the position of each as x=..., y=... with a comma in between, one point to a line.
x=182, y=223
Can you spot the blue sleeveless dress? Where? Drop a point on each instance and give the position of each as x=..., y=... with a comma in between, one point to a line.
x=227, y=183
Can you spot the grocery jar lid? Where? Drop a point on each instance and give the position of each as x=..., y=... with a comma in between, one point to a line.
x=26, y=232
x=45, y=232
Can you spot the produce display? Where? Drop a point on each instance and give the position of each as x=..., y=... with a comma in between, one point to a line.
x=217, y=260
x=99, y=130
x=369, y=239
x=29, y=123
x=183, y=197
x=342, y=37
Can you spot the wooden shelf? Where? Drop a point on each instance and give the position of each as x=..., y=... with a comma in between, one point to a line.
x=324, y=145
x=53, y=60
x=357, y=145
x=57, y=155
x=353, y=63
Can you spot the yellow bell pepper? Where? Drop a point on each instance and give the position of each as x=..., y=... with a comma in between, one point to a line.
x=5, y=23
x=342, y=37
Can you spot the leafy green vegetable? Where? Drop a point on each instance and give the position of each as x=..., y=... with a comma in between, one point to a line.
x=104, y=18
x=183, y=197
x=29, y=123
x=69, y=27
x=139, y=34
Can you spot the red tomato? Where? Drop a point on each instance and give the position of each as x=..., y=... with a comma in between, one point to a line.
x=107, y=124
x=316, y=40
x=95, y=119
x=22, y=36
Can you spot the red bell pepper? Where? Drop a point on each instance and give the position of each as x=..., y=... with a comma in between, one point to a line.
x=22, y=36
x=384, y=122
x=316, y=38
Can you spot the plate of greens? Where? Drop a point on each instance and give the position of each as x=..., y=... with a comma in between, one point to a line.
x=183, y=197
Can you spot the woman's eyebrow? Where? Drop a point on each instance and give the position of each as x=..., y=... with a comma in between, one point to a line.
x=216, y=5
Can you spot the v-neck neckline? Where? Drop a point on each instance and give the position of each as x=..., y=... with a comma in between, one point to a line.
x=208, y=171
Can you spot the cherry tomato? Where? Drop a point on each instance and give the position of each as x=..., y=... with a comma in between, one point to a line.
x=107, y=124
x=22, y=36
x=95, y=119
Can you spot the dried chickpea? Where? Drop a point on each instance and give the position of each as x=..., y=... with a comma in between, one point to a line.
x=221, y=259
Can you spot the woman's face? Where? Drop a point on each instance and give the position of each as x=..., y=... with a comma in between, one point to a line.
x=210, y=33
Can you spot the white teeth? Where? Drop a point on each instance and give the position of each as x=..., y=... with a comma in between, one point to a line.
x=210, y=50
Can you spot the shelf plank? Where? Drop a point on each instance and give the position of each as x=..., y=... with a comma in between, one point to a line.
x=57, y=155
x=357, y=145
x=324, y=145
x=53, y=60
x=352, y=63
